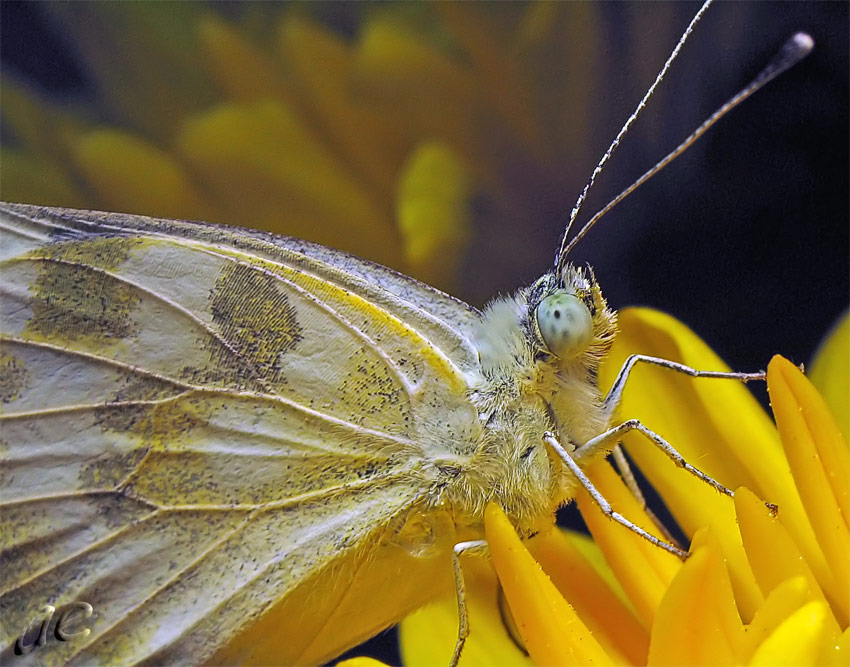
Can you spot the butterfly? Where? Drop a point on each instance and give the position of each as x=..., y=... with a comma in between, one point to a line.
x=212, y=432
x=208, y=428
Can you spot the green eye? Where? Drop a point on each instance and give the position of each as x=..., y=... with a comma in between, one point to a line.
x=565, y=324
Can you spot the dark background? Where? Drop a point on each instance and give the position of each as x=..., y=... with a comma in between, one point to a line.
x=744, y=238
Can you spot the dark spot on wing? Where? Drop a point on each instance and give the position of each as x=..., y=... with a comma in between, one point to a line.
x=71, y=302
x=101, y=252
x=159, y=424
x=369, y=389
x=132, y=417
x=107, y=471
x=119, y=510
x=257, y=321
x=13, y=377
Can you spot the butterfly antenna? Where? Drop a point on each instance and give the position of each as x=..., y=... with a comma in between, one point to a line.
x=792, y=52
x=631, y=119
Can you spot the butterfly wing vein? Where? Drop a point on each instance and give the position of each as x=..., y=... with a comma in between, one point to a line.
x=197, y=422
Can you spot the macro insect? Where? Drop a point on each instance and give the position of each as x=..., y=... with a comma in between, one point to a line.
x=209, y=431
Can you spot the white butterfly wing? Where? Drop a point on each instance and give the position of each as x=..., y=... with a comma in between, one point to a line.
x=199, y=423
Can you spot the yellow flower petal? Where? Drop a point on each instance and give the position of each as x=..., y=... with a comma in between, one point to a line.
x=599, y=604
x=800, y=640
x=496, y=69
x=272, y=171
x=772, y=553
x=551, y=630
x=428, y=636
x=779, y=604
x=370, y=143
x=813, y=424
x=361, y=661
x=838, y=654
x=697, y=622
x=643, y=569
x=27, y=178
x=590, y=552
x=821, y=466
x=432, y=209
x=132, y=175
x=37, y=126
x=242, y=71
x=407, y=79
x=701, y=404
x=693, y=415
x=830, y=373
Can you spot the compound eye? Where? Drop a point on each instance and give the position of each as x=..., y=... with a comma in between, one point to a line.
x=565, y=324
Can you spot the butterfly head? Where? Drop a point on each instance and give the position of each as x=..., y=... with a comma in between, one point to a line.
x=539, y=352
x=568, y=319
x=561, y=323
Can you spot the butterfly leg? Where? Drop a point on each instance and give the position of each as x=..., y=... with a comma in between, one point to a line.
x=612, y=401
x=476, y=548
x=612, y=435
x=628, y=476
x=615, y=394
x=600, y=500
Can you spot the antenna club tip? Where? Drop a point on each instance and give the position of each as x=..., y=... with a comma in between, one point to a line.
x=803, y=41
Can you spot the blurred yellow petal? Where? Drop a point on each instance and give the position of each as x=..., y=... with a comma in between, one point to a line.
x=830, y=373
x=800, y=640
x=599, y=604
x=242, y=71
x=427, y=637
x=495, y=69
x=322, y=66
x=564, y=32
x=551, y=630
x=36, y=126
x=433, y=211
x=132, y=175
x=693, y=415
x=821, y=466
x=537, y=23
x=27, y=178
x=409, y=80
x=267, y=166
x=771, y=551
x=697, y=621
x=642, y=568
